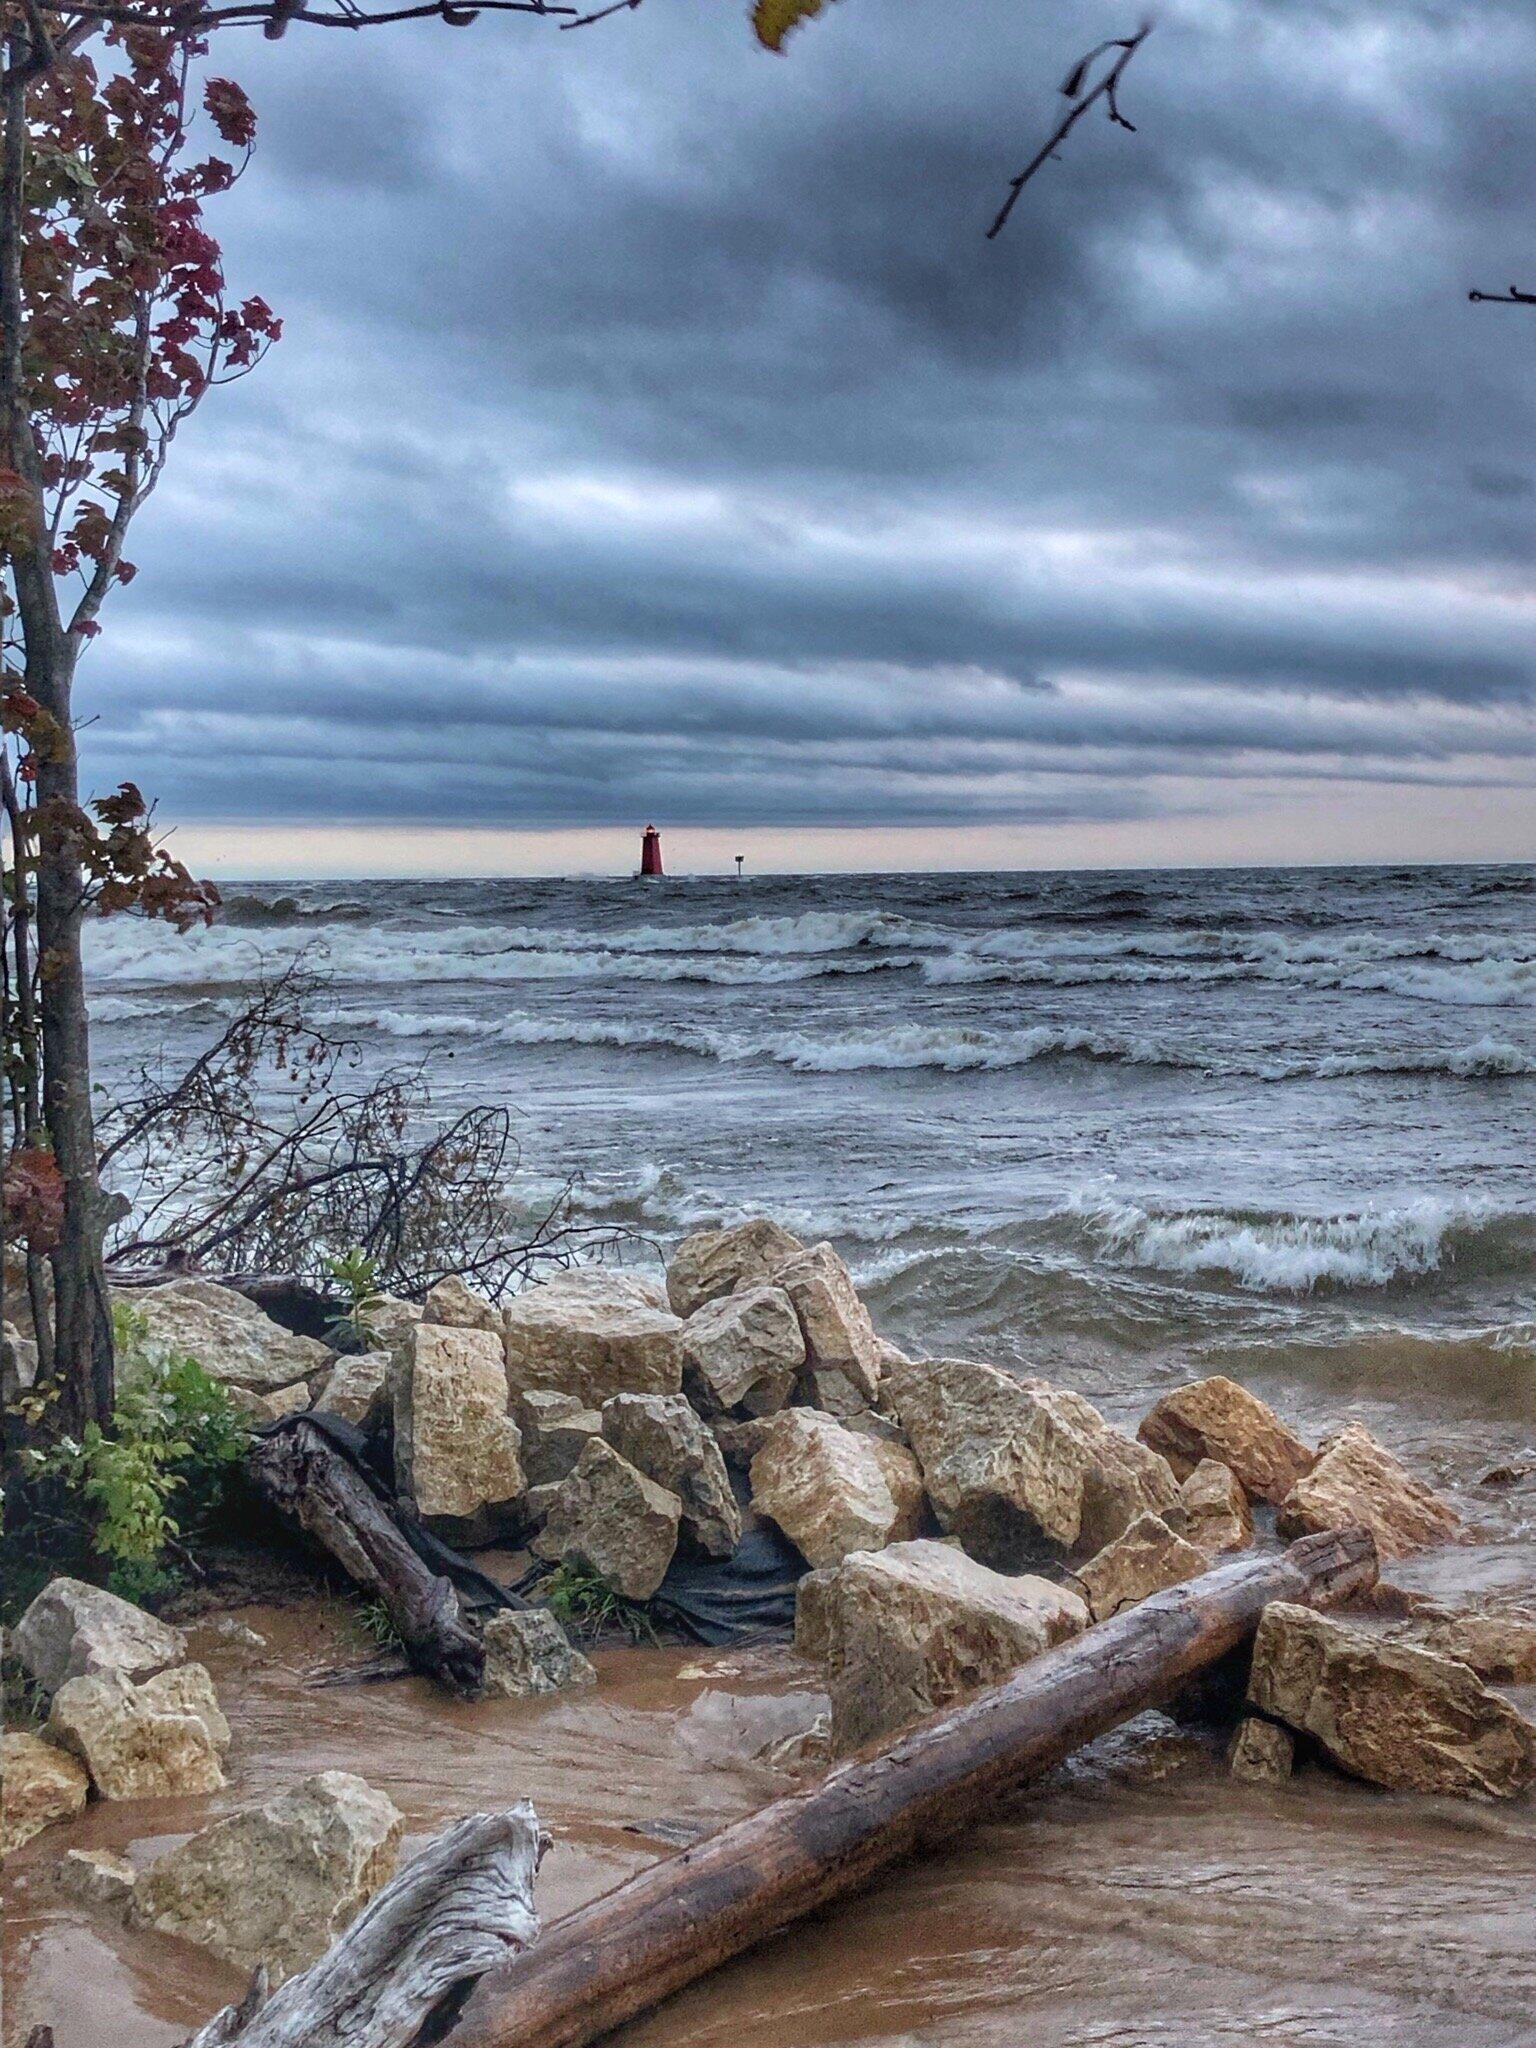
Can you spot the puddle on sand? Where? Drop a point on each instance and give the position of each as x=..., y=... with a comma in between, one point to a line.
x=1116, y=1908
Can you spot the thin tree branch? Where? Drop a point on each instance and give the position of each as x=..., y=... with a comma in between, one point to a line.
x=1513, y=297
x=1073, y=85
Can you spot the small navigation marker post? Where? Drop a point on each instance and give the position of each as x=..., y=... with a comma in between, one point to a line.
x=650, y=852
x=739, y=859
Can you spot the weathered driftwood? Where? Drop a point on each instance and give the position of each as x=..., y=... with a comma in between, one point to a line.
x=628, y=1950
x=398, y=1973
x=306, y=1478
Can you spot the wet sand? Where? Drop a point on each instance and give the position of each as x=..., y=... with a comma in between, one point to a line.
x=1138, y=1898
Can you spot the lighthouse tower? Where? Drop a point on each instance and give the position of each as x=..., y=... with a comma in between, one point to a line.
x=650, y=852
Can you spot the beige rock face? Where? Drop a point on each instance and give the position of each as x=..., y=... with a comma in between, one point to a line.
x=556, y=1430
x=1357, y=1482
x=1393, y=1714
x=743, y=1353
x=902, y=1631
x=1213, y=1511
x=358, y=1389
x=456, y=1448
x=1262, y=1752
x=389, y=1317
x=662, y=1437
x=1499, y=1645
x=740, y=1442
x=528, y=1653
x=1015, y=1466
x=159, y=1740
x=829, y=1490
x=279, y=1882
x=839, y=1336
x=39, y=1784
x=716, y=1262
x=95, y=1877
x=594, y=1334
x=613, y=1520
x=1216, y=1418
x=1147, y=1559
x=259, y=1408
x=73, y=1628
x=230, y=1337
x=453, y=1302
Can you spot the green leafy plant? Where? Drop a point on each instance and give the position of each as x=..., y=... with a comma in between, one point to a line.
x=175, y=1441
x=583, y=1601
x=356, y=1273
x=376, y=1620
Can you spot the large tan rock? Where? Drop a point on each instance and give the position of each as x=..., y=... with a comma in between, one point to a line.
x=902, y=1631
x=278, y=1883
x=456, y=1448
x=528, y=1654
x=1499, y=1644
x=743, y=1353
x=95, y=1877
x=612, y=1520
x=159, y=1740
x=1388, y=1712
x=1018, y=1468
x=388, y=1318
x=1213, y=1511
x=229, y=1336
x=39, y=1785
x=556, y=1430
x=454, y=1302
x=841, y=1347
x=72, y=1628
x=716, y=1262
x=1147, y=1559
x=1217, y=1418
x=592, y=1333
x=830, y=1490
x=259, y=1408
x=1357, y=1483
x=663, y=1438
x=358, y=1390
x=1262, y=1752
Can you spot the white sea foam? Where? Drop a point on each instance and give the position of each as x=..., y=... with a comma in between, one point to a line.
x=1286, y=1253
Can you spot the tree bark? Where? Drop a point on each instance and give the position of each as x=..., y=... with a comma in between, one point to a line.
x=308, y=1480
x=630, y=1949
x=82, y=1323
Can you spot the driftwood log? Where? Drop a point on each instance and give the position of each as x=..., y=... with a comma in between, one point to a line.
x=308, y=1480
x=398, y=1974
x=630, y=1949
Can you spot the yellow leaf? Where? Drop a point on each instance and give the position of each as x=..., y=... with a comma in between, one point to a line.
x=773, y=19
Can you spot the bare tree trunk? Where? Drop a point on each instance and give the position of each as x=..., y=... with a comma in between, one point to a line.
x=82, y=1325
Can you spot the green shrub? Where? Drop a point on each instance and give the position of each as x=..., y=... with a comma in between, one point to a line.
x=585, y=1603
x=357, y=1275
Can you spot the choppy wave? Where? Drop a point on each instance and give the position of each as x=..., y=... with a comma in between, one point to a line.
x=281, y=910
x=1284, y=1252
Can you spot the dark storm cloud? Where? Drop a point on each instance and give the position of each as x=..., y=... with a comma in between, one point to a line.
x=655, y=431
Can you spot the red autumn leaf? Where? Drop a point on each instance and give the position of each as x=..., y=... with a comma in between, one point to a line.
x=34, y=1199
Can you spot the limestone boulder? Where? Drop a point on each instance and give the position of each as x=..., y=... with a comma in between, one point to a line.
x=1019, y=1469
x=259, y=1408
x=902, y=1631
x=1357, y=1483
x=457, y=1451
x=1262, y=1752
x=740, y=1442
x=833, y=1492
x=556, y=1430
x=839, y=1337
x=1147, y=1559
x=95, y=1877
x=1499, y=1644
x=662, y=1437
x=389, y=1317
x=454, y=1302
x=1218, y=1419
x=159, y=1740
x=40, y=1784
x=528, y=1654
x=742, y=1354
x=592, y=1333
x=711, y=1263
x=279, y=1882
x=72, y=1629
x=612, y=1520
x=1213, y=1511
x=229, y=1336
x=1396, y=1715
x=357, y=1390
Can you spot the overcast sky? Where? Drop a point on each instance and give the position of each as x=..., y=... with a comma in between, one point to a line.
x=655, y=435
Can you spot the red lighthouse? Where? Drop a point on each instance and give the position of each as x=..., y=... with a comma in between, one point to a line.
x=650, y=852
